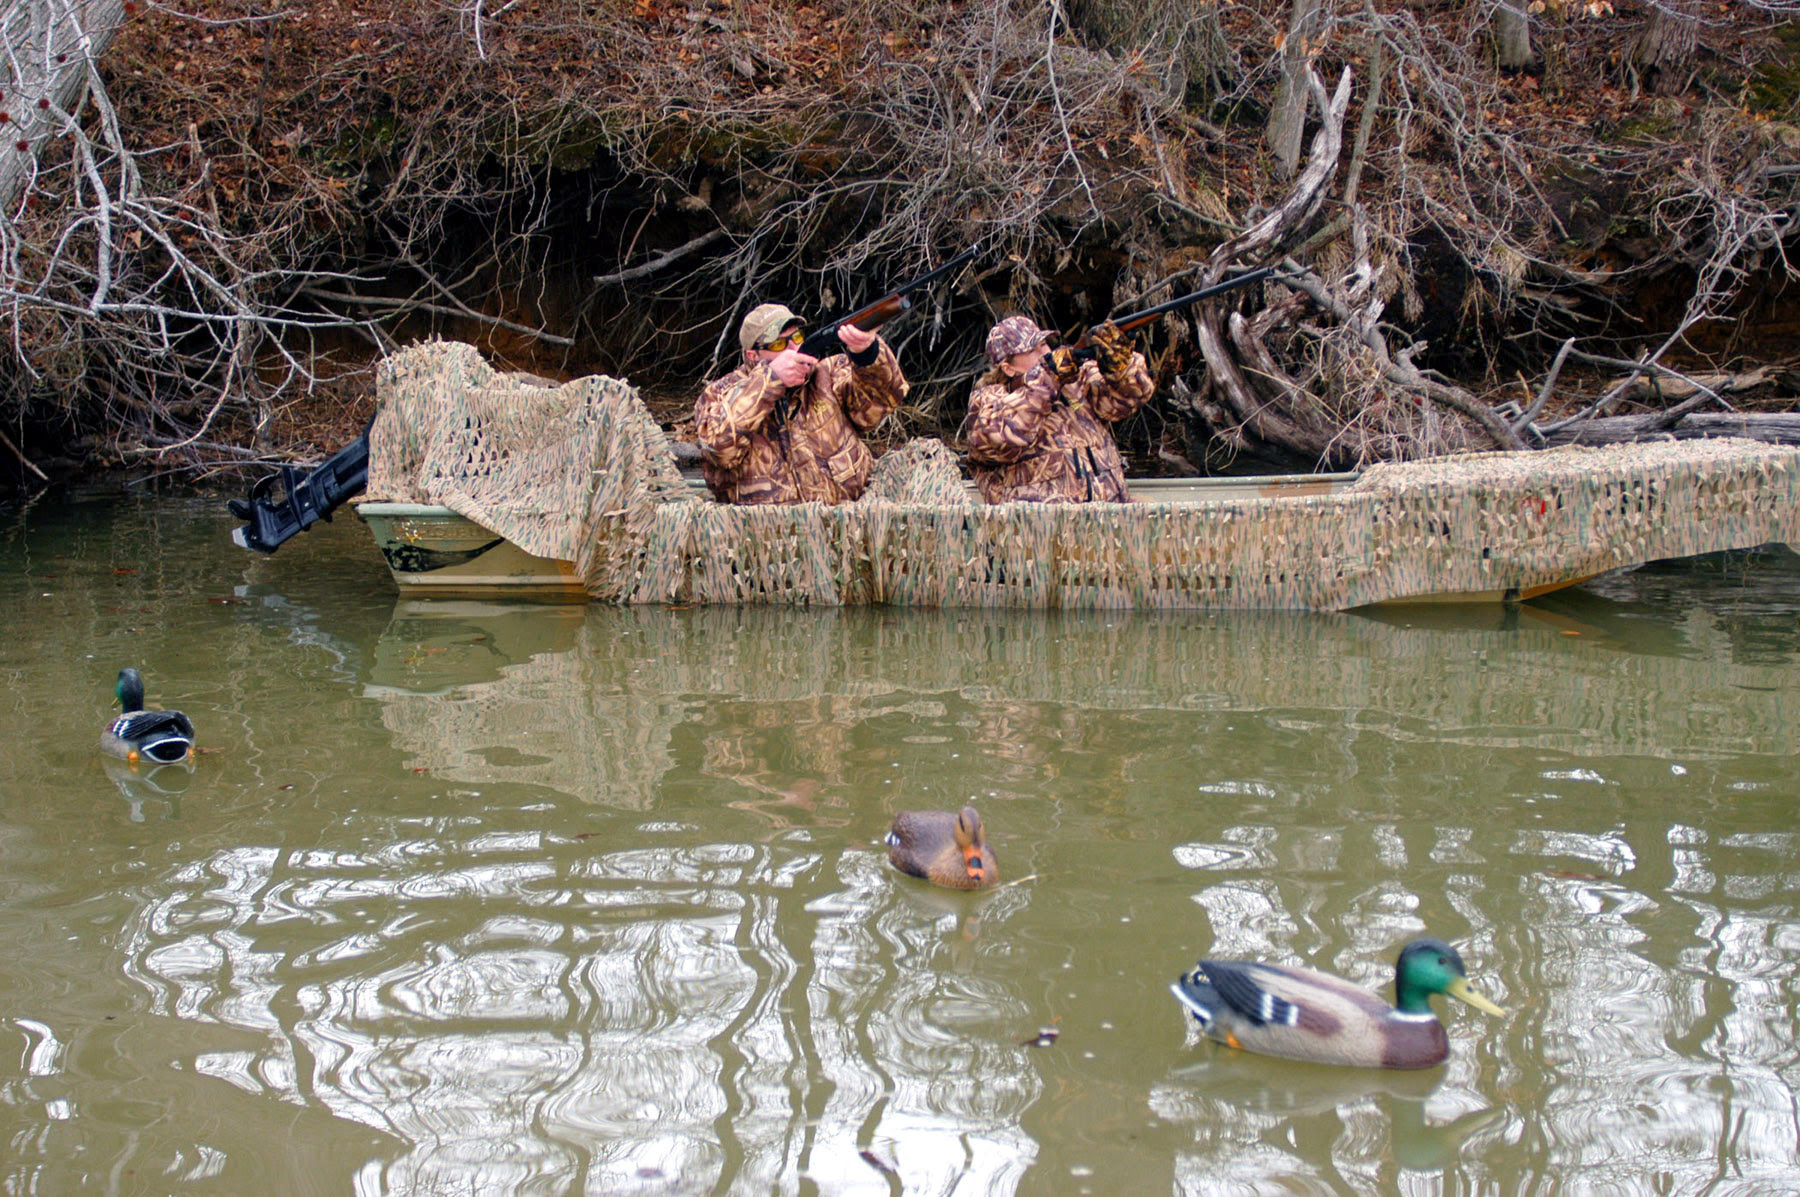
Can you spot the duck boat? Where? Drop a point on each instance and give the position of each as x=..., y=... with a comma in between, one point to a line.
x=483, y=485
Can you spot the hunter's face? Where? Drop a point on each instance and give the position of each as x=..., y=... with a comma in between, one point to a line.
x=1021, y=364
x=767, y=351
x=789, y=366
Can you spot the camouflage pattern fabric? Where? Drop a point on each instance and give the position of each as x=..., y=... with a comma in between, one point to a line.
x=763, y=443
x=1031, y=441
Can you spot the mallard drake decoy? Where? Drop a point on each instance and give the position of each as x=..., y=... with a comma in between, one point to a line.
x=1307, y=1015
x=944, y=847
x=161, y=736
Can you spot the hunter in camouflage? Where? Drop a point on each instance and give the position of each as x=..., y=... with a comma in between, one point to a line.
x=1039, y=424
x=784, y=427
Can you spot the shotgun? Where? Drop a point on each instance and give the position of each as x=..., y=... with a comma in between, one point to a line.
x=1128, y=324
x=823, y=341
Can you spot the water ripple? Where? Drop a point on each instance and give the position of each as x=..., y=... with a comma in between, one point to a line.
x=592, y=1026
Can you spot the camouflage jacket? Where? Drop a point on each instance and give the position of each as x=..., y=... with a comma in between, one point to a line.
x=1029, y=442
x=763, y=443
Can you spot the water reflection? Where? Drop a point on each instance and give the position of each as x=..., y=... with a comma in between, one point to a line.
x=150, y=1092
x=643, y=1007
x=1671, y=996
x=150, y=790
x=497, y=1048
x=302, y=624
x=1379, y=1123
x=487, y=693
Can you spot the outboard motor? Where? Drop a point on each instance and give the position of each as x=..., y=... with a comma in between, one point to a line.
x=304, y=500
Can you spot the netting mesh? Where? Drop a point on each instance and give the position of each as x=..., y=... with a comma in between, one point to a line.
x=573, y=472
x=583, y=473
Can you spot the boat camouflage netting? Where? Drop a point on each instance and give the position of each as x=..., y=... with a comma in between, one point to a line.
x=583, y=473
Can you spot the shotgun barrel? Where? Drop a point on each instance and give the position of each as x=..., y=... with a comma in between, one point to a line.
x=1137, y=320
x=823, y=341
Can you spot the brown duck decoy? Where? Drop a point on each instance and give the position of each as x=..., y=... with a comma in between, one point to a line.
x=947, y=848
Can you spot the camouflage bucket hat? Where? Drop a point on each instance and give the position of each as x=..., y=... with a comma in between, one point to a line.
x=764, y=323
x=1015, y=334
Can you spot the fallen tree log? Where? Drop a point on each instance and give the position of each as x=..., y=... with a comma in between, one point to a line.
x=1668, y=385
x=1776, y=428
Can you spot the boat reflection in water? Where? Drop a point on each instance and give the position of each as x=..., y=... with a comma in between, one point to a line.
x=586, y=701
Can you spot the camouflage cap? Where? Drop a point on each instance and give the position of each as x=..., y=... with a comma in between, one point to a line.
x=1015, y=334
x=764, y=323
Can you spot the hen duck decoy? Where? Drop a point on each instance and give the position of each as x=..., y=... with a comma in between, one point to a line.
x=161, y=736
x=1302, y=1014
x=947, y=848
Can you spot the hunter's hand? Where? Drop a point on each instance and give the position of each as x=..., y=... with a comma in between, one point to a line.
x=855, y=339
x=791, y=367
x=1063, y=363
x=1112, y=350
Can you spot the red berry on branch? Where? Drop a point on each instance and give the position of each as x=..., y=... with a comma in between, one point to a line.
x=21, y=146
x=44, y=103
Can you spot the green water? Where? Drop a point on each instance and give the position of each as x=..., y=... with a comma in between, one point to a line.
x=488, y=899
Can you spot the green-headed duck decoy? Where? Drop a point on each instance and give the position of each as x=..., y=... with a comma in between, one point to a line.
x=160, y=736
x=1302, y=1014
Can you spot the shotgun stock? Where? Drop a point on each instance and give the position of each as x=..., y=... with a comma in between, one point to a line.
x=823, y=341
